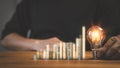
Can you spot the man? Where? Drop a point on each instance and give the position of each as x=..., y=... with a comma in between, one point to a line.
x=52, y=21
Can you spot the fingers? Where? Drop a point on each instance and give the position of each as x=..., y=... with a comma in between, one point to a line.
x=108, y=44
x=54, y=40
x=113, y=52
x=116, y=56
x=111, y=49
x=101, y=52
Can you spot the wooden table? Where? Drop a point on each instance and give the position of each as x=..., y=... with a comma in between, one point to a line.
x=25, y=60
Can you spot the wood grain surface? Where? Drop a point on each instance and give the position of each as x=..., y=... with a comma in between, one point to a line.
x=20, y=59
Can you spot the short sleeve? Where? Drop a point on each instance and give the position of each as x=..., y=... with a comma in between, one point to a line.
x=19, y=22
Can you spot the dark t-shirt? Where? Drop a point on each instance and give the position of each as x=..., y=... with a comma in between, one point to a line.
x=61, y=18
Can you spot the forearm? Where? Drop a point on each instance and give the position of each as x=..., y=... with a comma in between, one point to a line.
x=17, y=42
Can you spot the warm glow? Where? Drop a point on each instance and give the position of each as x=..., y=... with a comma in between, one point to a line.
x=95, y=35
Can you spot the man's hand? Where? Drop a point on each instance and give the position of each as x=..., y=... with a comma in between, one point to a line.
x=41, y=44
x=16, y=42
x=111, y=49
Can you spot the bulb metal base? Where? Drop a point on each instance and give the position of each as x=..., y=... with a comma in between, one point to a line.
x=94, y=53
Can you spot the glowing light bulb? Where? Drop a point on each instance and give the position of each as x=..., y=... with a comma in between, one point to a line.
x=95, y=36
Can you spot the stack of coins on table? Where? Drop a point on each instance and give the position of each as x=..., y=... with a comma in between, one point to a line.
x=64, y=50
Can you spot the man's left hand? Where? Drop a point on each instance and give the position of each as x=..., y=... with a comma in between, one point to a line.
x=111, y=49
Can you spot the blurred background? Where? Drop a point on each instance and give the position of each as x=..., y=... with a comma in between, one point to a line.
x=7, y=8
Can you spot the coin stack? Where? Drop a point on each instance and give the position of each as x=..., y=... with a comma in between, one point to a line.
x=64, y=50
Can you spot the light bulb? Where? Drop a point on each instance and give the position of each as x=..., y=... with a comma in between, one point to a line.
x=95, y=36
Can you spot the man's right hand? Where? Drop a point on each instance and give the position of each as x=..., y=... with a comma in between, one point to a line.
x=14, y=41
x=41, y=44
